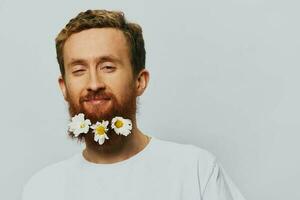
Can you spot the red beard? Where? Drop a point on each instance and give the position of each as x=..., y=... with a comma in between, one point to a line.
x=110, y=109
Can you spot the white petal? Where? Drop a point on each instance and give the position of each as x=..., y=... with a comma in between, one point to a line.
x=80, y=116
x=86, y=129
x=113, y=122
x=117, y=131
x=74, y=118
x=87, y=122
x=93, y=126
x=76, y=132
x=127, y=127
x=71, y=129
x=101, y=140
x=125, y=132
x=105, y=123
x=116, y=118
x=127, y=121
x=112, y=126
x=96, y=137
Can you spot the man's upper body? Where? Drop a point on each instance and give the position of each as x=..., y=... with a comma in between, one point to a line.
x=162, y=170
x=102, y=62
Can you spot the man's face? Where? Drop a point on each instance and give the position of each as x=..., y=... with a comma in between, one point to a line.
x=98, y=75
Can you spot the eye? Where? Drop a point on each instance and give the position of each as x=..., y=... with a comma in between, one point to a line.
x=78, y=72
x=108, y=68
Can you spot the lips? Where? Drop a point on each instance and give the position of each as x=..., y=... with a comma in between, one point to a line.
x=97, y=100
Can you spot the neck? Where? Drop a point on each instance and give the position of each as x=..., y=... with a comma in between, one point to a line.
x=121, y=150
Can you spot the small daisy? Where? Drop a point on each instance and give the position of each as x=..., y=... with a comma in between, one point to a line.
x=121, y=126
x=100, y=130
x=79, y=124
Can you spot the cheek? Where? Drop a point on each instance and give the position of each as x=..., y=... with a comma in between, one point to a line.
x=73, y=93
x=124, y=90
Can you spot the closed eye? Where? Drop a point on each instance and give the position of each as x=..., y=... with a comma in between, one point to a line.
x=78, y=72
x=108, y=68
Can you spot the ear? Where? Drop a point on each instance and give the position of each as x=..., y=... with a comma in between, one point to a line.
x=62, y=86
x=142, y=81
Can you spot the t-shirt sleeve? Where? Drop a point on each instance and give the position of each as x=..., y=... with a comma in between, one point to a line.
x=219, y=186
x=45, y=184
x=27, y=193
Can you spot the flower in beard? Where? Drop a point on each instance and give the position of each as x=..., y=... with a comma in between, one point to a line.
x=79, y=125
x=121, y=126
x=100, y=129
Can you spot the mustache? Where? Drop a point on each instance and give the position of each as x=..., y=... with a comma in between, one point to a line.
x=96, y=96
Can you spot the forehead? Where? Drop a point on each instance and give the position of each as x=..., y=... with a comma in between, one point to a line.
x=95, y=42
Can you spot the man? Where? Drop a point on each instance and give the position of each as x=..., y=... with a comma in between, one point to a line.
x=102, y=63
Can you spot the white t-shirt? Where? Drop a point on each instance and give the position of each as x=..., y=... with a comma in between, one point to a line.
x=163, y=170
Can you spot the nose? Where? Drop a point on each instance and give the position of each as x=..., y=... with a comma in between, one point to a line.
x=95, y=82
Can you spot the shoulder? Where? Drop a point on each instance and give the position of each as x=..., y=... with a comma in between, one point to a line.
x=186, y=153
x=48, y=178
x=189, y=150
x=195, y=162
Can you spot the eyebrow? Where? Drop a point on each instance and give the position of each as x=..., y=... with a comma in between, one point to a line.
x=101, y=59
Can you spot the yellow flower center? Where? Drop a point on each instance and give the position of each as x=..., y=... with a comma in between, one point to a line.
x=100, y=130
x=118, y=123
x=82, y=125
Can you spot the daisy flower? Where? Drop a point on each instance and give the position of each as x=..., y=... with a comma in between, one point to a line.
x=100, y=130
x=121, y=126
x=79, y=124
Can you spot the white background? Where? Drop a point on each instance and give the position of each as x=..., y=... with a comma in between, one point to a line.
x=224, y=77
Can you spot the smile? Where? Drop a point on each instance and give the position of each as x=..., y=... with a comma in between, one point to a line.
x=97, y=101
